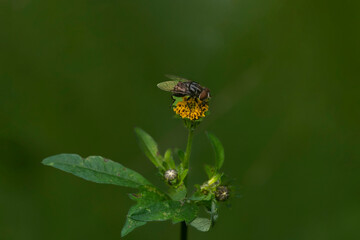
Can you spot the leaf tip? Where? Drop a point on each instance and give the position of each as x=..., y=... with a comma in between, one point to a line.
x=209, y=134
x=138, y=130
x=47, y=161
x=123, y=233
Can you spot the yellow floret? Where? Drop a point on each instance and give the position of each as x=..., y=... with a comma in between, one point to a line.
x=191, y=108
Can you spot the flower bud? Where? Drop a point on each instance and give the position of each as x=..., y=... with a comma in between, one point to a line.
x=171, y=175
x=222, y=193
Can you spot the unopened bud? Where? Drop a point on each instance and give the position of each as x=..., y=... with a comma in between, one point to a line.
x=222, y=193
x=171, y=175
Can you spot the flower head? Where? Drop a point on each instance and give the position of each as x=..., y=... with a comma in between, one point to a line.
x=191, y=108
x=222, y=193
x=171, y=175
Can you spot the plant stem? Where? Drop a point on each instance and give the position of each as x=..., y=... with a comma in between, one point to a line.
x=184, y=231
x=184, y=228
x=188, y=149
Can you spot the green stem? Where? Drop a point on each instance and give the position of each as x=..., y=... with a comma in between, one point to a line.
x=184, y=228
x=188, y=149
x=183, y=231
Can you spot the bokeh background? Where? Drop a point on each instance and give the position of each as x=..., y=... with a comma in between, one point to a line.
x=78, y=76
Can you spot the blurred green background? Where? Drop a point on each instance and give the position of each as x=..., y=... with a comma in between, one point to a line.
x=78, y=76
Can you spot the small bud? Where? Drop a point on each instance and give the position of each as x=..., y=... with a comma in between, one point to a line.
x=205, y=192
x=222, y=193
x=171, y=175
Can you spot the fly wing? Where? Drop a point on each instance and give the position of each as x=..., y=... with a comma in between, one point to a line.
x=168, y=85
x=176, y=78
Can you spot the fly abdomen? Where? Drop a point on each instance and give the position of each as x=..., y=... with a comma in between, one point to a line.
x=195, y=89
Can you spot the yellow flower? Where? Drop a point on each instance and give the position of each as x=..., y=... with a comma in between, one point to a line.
x=191, y=108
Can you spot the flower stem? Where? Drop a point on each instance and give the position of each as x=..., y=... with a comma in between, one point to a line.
x=184, y=228
x=188, y=149
x=184, y=231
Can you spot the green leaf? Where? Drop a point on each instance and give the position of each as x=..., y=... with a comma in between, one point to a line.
x=181, y=155
x=214, y=211
x=131, y=224
x=210, y=171
x=219, y=150
x=149, y=147
x=149, y=194
x=146, y=197
x=201, y=224
x=199, y=196
x=178, y=194
x=183, y=174
x=169, y=159
x=97, y=169
x=167, y=210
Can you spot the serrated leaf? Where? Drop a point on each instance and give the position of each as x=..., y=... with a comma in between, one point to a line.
x=218, y=149
x=97, y=169
x=131, y=224
x=169, y=159
x=201, y=224
x=146, y=197
x=167, y=210
x=149, y=147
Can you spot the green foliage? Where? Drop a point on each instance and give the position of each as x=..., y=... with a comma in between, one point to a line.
x=149, y=147
x=179, y=193
x=169, y=159
x=151, y=203
x=214, y=211
x=97, y=169
x=210, y=171
x=201, y=224
x=131, y=224
x=181, y=154
x=147, y=196
x=200, y=196
x=218, y=149
x=183, y=174
x=203, y=196
x=167, y=210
